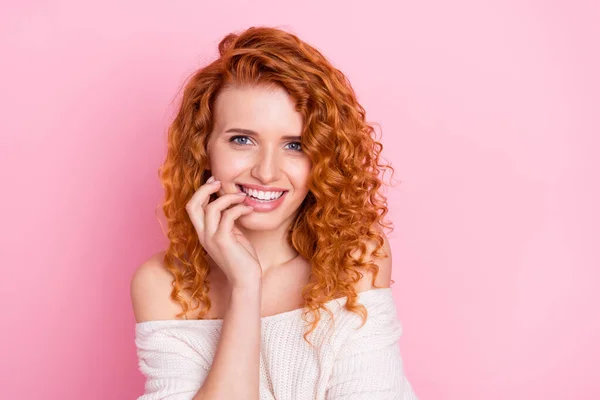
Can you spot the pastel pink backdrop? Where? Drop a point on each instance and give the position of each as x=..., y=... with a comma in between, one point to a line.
x=489, y=113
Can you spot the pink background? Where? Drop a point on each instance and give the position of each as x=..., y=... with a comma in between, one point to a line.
x=489, y=114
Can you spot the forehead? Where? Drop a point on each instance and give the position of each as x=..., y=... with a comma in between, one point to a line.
x=267, y=110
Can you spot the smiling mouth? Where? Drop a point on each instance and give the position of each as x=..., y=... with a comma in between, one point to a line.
x=241, y=189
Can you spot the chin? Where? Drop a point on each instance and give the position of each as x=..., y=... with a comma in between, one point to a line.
x=258, y=221
x=253, y=222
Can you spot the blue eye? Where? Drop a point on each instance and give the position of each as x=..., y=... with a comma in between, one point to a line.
x=233, y=138
x=299, y=148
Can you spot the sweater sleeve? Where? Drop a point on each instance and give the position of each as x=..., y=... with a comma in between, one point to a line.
x=172, y=368
x=369, y=365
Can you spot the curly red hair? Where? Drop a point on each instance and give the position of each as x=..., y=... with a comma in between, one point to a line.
x=343, y=209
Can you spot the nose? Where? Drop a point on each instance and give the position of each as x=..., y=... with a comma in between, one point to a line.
x=266, y=165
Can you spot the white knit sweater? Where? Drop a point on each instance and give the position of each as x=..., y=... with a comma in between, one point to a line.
x=175, y=355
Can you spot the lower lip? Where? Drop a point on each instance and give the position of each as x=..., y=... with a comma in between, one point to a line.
x=264, y=206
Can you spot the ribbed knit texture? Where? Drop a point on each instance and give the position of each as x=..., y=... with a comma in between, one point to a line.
x=346, y=364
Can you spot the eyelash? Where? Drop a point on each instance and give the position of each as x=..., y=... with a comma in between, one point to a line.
x=233, y=138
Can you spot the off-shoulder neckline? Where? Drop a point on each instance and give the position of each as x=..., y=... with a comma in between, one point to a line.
x=212, y=322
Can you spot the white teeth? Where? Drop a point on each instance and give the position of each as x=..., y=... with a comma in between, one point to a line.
x=258, y=194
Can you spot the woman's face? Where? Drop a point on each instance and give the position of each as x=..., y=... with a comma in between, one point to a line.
x=256, y=143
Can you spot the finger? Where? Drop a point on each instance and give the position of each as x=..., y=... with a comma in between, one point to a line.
x=228, y=219
x=199, y=200
x=213, y=212
x=202, y=195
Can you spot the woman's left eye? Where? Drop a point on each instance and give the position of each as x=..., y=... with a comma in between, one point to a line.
x=299, y=148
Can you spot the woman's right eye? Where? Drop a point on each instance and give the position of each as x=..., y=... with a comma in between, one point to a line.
x=234, y=138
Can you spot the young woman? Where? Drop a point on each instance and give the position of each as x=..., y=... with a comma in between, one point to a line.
x=275, y=283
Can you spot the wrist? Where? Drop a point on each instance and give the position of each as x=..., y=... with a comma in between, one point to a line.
x=247, y=285
x=248, y=294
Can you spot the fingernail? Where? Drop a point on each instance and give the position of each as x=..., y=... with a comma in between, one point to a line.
x=212, y=178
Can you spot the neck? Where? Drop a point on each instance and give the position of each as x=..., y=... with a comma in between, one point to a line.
x=272, y=247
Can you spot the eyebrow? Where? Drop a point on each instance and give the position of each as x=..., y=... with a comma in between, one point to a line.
x=253, y=133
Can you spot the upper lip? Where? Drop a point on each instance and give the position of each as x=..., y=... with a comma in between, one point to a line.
x=262, y=188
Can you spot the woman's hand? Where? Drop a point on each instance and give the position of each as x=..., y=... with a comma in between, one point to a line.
x=225, y=243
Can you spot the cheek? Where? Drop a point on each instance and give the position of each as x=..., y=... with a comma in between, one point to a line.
x=300, y=174
x=226, y=165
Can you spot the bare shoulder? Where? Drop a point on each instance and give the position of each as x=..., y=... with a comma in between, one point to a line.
x=150, y=291
x=384, y=275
